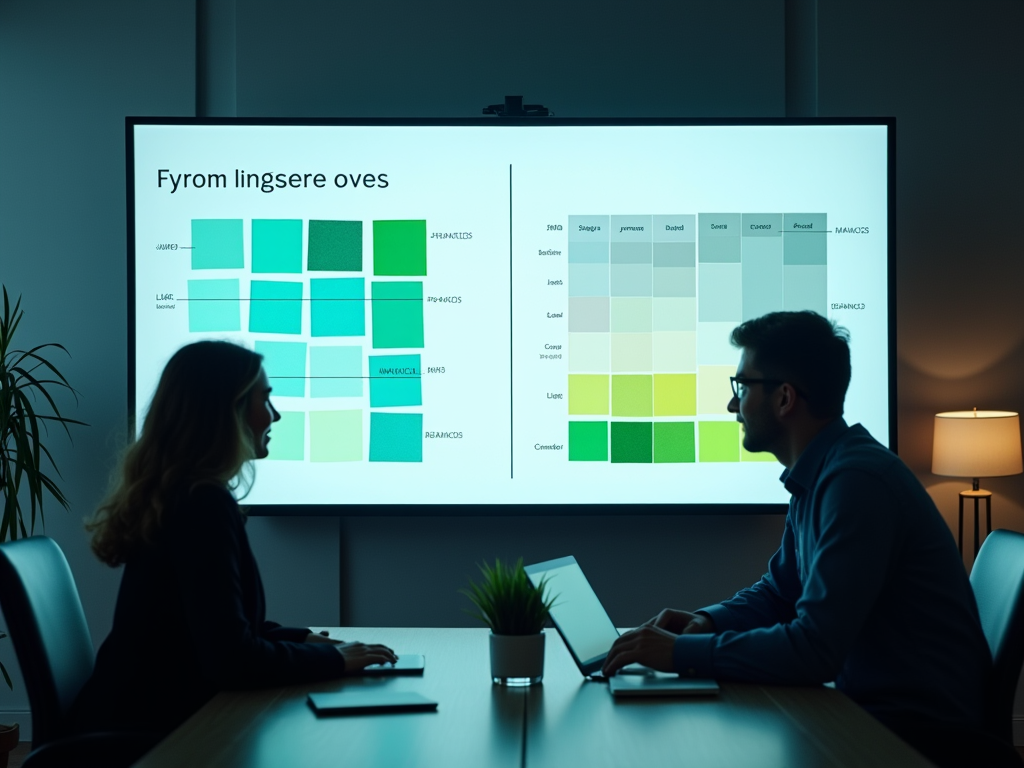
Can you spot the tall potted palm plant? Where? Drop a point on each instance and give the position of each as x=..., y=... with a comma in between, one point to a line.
x=28, y=383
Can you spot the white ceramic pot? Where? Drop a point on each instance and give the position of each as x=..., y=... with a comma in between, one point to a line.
x=517, y=659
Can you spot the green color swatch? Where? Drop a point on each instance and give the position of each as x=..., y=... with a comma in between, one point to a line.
x=396, y=437
x=336, y=435
x=400, y=248
x=285, y=364
x=275, y=307
x=675, y=394
x=588, y=441
x=335, y=245
x=631, y=442
x=337, y=306
x=336, y=371
x=397, y=310
x=674, y=442
x=632, y=396
x=213, y=306
x=277, y=245
x=217, y=244
x=288, y=437
x=588, y=394
x=395, y=380
x=719, y=441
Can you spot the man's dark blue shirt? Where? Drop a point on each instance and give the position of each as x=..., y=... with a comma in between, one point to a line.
x=867, y=590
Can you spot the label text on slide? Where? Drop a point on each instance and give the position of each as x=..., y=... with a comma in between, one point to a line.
x=267, y=182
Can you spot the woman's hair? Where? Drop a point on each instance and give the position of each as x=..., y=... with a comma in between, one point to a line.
x=196, y=432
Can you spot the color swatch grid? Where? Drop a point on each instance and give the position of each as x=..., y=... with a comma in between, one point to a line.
x=652, y=303
x=323, y=353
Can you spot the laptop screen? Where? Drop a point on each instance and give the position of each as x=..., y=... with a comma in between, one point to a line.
x=580, y=617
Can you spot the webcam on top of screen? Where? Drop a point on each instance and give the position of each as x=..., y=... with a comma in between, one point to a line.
x=514, y=107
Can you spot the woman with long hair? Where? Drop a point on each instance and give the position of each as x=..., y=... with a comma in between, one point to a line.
x=189, y=619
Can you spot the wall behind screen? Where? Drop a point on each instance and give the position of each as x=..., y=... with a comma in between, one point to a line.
x=450, y=58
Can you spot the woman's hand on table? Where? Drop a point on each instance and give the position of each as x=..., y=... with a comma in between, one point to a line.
x=361, y=655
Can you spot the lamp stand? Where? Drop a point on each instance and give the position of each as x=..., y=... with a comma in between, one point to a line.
x=977, y=494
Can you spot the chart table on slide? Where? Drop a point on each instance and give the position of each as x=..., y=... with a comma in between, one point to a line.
x=652, y=301
x=303, y=305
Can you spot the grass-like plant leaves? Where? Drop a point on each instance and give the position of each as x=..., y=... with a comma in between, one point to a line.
x=507, y=602
x=27, y=380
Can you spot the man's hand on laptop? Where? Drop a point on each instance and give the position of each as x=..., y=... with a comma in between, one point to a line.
x=647, y=645
x=683, y=622
x=651, y=644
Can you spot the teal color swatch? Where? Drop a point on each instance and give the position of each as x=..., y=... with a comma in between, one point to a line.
x=338, y=306
x=395, y=380
x=213, y=306
x=336, y=371
x=277, y=245
x=285, y=364
x=335, y=246
x=396, y=437
x=217, y=244
x=288, y=437
x=397, y=314
x=275, y=307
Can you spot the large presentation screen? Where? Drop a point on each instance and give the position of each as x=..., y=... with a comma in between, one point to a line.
x=520, y=315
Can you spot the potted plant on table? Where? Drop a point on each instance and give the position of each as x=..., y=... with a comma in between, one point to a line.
x=515, y=610
x=28, y=382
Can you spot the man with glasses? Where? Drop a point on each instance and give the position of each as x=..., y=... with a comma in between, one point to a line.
x=867, y=588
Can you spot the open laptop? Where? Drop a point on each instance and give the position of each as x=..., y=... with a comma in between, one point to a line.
x=588, y=633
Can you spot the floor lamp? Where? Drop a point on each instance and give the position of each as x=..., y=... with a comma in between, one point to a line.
x=976, y=444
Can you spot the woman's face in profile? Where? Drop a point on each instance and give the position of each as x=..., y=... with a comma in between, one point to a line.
x=261, y=414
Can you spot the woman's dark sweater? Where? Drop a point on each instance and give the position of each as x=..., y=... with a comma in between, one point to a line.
x=189, y=622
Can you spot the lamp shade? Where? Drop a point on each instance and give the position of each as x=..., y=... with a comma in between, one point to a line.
x=977, y=444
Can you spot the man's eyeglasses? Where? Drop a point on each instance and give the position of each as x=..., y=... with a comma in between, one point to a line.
x=741, y=384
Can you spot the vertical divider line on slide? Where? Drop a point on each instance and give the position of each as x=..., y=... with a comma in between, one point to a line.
x=511, y=351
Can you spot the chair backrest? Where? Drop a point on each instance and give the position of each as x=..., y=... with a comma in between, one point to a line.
x=47, y=625
x=998, y=583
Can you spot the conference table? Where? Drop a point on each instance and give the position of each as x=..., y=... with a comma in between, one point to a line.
x=565, y=721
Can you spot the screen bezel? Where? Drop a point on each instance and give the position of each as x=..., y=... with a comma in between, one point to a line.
x=475, y=510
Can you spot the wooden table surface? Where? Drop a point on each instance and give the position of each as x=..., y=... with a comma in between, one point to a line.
x=567, y=721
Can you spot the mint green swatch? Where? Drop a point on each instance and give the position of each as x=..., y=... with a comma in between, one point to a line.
x=217, y=244
x=275, y=307
x=288, y=437
x=285, y=364
x=213, y=305
x=336, y=435
x=336, y=371
x=277, y=245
